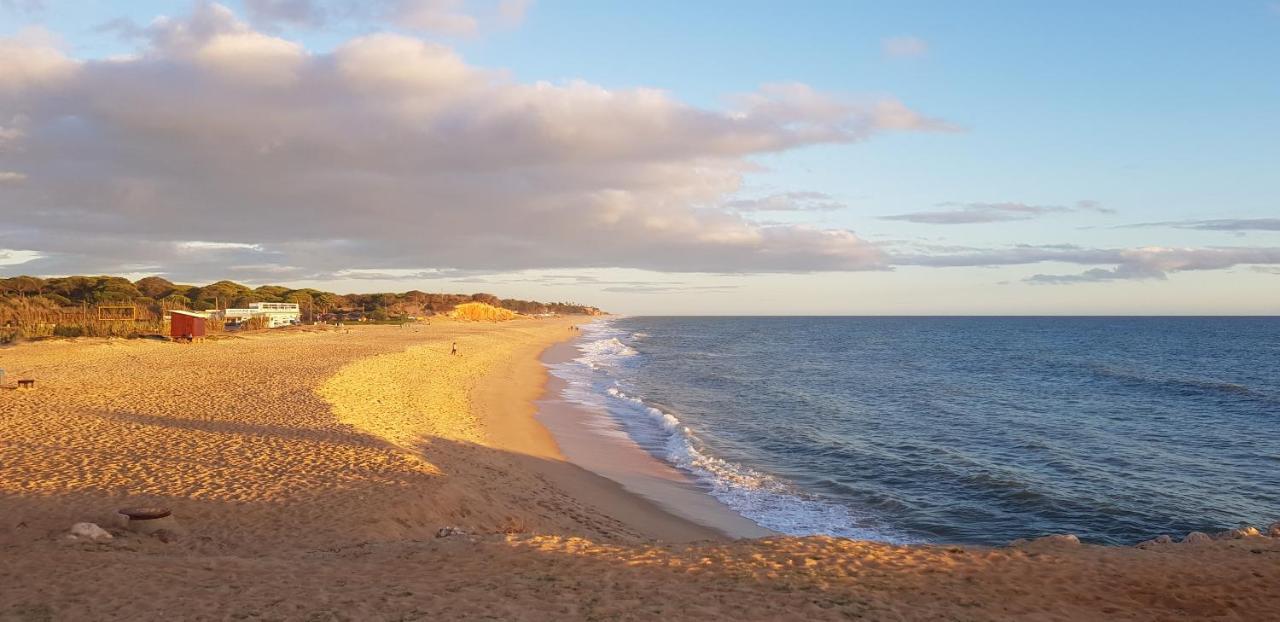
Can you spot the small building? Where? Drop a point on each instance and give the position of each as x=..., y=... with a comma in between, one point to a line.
x=276, y=313
x=186, y=325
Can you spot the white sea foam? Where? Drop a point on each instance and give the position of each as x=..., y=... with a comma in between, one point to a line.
x=597, y=379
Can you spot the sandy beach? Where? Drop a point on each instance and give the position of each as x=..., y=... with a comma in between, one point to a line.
x=368, y=474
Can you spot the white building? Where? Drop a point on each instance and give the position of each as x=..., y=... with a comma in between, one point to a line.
x=277, y=313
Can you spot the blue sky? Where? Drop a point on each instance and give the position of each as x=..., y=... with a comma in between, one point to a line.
x=1060, y=127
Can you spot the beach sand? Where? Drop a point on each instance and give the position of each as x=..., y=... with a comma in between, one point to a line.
x=310, y=473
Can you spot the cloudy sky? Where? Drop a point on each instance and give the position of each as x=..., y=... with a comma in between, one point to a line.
x=656, y=157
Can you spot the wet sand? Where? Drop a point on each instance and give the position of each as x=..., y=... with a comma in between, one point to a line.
x=371, y=475
x=590, y=440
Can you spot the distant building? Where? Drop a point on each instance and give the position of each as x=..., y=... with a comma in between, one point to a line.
x=276, y=313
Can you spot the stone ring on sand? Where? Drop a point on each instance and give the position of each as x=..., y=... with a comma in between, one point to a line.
x=149, y=520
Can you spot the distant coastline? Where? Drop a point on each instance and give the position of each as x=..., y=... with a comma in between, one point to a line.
x=112, y=306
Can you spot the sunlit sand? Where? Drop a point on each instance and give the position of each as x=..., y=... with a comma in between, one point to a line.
x=310, y=473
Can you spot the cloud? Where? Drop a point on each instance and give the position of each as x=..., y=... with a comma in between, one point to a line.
x=1222, y=224
x=819, y=117
x=11, y=177
x=1152, y=262
x=295, y=13
x=33, y=59
x=439, y=16
x=971, y=213
x=904, y=47
x=123, y=28
x=787, y=202
x=11, y=135
x=217, y=246
x=463, y=18
x=24, y=6
x=14, y=257
x=670, y=289
x=511, y=13
x=395, y=274
x=1158, y=263
x=393, y=153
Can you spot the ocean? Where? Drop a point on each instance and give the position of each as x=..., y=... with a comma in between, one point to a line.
x=952, y=430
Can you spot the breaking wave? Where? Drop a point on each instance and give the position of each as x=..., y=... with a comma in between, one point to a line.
x=598, y=379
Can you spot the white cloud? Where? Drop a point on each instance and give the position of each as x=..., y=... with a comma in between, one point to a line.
x=33, y=59
x=1234, y=225
x=393, y=153
x=218, y=246
x=11, y=177
x=800, y=201
x=1153, y=262
x=414, y=69
x=904, y=47
x=971, y=213
x=448, y=17
x=297, y=13
x=1158, y=262
x=11, y=136
x=15, y=257
x=392, y=274
x=214, y=40
x=463, y=18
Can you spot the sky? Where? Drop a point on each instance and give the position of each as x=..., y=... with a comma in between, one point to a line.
x=907, y=158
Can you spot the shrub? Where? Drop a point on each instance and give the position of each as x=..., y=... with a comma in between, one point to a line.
x=68, y=330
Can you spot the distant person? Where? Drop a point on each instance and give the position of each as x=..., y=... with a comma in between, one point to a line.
x=455, y=349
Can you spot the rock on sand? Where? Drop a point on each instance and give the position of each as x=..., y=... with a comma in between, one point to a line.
x=89, y=531
x=1197, y=537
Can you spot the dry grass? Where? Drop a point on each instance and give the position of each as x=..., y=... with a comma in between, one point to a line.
x=19, y=321
x=481, y=312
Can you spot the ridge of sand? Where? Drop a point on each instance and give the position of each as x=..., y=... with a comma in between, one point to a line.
x=311, y=471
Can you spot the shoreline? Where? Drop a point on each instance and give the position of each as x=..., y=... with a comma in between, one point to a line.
x=372, y=475
x=511, y=397
x=611, y=454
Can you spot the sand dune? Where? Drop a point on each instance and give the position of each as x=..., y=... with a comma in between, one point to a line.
x=311, y=471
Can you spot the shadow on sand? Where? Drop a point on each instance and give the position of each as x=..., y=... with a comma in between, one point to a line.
x=351, y=534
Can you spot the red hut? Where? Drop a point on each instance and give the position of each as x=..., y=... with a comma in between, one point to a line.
x=186, y=325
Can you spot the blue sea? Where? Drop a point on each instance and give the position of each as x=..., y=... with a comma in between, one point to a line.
x=953, y=430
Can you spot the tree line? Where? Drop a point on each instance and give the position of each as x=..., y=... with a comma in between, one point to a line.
x=156, y=294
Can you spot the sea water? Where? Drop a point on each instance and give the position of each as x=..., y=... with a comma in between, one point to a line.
x=964, y=430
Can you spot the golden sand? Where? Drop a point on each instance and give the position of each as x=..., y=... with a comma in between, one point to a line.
x=310, y=473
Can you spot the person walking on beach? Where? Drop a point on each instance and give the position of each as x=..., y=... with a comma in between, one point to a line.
x=455, y=349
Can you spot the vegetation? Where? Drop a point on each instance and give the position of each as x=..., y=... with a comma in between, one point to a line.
x=68, y=306
x=481, y=312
